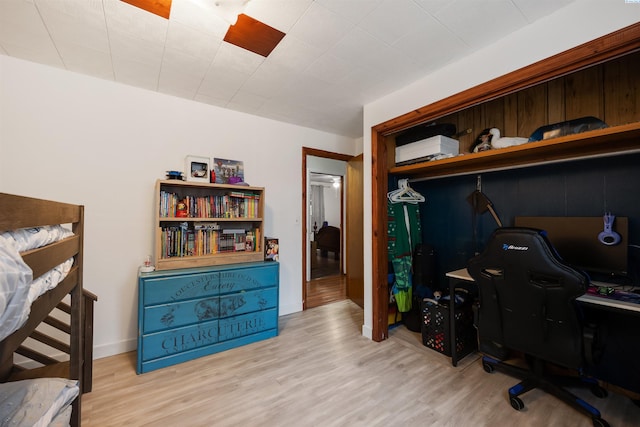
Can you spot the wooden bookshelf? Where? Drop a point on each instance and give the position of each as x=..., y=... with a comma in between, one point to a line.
x=223, y=224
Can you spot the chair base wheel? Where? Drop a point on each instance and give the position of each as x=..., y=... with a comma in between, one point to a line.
x=598, y=391
x=516, y=403
x=489, y=368
x=599, y=422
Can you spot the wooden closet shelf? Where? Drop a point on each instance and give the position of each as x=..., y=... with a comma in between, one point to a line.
x=602, y=142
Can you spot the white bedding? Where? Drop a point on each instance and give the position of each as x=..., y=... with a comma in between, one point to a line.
x=18, y=290
x=37, y=402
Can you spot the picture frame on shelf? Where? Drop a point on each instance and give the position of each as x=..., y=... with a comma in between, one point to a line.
x=196, y=168
x=228, y=171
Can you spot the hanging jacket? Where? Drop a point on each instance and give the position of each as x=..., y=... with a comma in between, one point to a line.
x=404, y=233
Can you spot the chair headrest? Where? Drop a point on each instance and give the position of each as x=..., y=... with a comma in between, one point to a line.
x=524, y=249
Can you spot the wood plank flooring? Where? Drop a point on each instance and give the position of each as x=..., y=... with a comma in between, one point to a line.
x=326, y=290
x=327, y=284
x=324, y=266
x=320, y=371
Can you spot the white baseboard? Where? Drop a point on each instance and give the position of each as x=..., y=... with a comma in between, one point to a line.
x=367, y=332
x=106, y=350
x=289, y=309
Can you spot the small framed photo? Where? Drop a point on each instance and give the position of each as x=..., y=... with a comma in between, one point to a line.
x=228, y=171
x=196, y=169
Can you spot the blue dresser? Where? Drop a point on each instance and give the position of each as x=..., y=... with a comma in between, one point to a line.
x=189, y=313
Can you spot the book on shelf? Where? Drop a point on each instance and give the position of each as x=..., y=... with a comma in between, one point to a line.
x=231, y=205
x=250, y=243
x=179, y=240
x=206, y=226
x=234, y=231
x=271, y=249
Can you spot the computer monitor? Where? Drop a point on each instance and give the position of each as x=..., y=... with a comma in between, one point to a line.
x=576, y=241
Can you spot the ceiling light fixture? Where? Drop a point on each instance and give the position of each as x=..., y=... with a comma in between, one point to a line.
x=229, y=10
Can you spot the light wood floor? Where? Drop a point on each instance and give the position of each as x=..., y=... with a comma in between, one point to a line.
x=320, y=371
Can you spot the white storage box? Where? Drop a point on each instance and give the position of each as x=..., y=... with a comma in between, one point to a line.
x=421, y=151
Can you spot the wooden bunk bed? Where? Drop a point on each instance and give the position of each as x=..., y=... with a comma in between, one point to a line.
x=69, y=319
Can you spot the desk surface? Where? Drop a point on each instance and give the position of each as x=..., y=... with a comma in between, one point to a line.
x=463, y=274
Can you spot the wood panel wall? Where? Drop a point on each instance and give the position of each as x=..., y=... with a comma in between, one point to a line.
x=610, y=92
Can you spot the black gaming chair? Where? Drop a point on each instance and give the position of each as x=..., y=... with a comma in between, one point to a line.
x=527, y=305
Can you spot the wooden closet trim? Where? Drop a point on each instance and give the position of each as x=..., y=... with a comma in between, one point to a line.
x=608, y=47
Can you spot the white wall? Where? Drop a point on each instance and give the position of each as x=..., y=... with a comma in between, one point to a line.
x=579, y=22
x=332, y=205
x=77, y=139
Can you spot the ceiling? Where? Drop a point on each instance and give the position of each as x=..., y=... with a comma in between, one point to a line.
x=323, y=178
x=336, y=56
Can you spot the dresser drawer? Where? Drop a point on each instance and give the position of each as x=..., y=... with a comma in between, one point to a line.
x=179, y=340
x=246, y=324
x=180, y=287
x=173, y=315
x=237, y=280
x=247, y=302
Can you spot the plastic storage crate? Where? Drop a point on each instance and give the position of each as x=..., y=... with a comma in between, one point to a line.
x=436, y=331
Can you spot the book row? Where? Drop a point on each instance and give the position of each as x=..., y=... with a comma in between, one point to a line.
x=232, y=205
x=181, y=241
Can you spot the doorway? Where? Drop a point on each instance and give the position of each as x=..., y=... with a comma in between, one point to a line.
x=325, y=275
x=324, y=207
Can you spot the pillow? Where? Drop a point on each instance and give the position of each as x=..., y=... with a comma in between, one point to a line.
x=37, y=237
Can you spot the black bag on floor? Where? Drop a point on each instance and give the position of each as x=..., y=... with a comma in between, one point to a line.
x=411, y=319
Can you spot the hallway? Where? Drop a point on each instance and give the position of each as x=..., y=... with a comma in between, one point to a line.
x=327, y=284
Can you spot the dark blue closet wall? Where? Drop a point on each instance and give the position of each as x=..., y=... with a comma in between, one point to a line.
x=577, y=188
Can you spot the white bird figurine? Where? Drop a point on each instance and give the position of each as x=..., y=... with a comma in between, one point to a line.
x=508, y=141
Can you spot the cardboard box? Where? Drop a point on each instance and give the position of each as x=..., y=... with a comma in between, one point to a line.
x=426, y=149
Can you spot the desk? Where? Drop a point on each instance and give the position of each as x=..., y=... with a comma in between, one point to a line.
x=620, y=362
x=611, y=303
x=602, y=301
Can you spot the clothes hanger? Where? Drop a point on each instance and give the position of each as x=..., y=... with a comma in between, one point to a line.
x=405, y=193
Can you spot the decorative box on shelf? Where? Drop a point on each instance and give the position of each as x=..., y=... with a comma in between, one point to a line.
x=423, y=150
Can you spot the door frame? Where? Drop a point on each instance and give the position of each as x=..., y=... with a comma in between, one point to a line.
x=306, y=151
